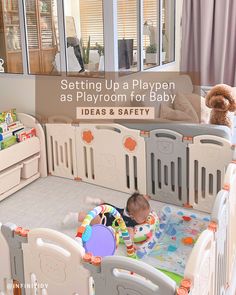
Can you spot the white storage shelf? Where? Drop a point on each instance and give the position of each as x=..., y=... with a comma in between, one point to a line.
x=30, y=167
x=19, y=166
x=10, y=178
x=19, y=152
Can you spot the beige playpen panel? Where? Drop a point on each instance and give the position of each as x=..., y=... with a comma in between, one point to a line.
x=209, y=157
x=61, y=150
x=220, y=215
x=200, y=267
x=5, y=267
x=230, y=183
x=53, y=260
x=111, y=156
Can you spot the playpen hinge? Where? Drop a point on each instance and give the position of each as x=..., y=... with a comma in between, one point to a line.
x=186, y=283
x=213, y=226
x=181, y=291
x=79, y=179
x=187, y=206
x=226, y=187
x=187, y=139
x=19, y=231
x=92, y=263
x=145, y=134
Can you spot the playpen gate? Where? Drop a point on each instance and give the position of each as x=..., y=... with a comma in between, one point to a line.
x=167, y=167
x=111, y=156
x=61, y=150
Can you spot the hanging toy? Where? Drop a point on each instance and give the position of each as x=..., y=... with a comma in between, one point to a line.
x=100, y=240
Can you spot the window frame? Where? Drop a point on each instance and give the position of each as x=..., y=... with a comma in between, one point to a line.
x=110, y=38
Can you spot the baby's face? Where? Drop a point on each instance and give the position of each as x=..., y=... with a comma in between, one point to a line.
x=141, y=216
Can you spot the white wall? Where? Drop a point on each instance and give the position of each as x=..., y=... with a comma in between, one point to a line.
x=19, y=91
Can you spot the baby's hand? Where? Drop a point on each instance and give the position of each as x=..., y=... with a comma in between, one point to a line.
x=131, y=232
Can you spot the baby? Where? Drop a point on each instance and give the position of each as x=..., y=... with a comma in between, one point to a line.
x=136, y=212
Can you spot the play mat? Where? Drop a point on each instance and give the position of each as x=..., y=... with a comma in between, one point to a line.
x=179, y=231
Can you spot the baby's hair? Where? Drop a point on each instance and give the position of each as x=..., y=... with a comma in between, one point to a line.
x=137, y=202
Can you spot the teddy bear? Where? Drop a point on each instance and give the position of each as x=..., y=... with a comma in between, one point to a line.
x=222, y=100
x=13, y=39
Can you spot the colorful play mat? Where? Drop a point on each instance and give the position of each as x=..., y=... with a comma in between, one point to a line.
x=179, y=231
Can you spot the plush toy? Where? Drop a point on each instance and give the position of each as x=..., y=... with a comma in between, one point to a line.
x=13, y=39
x=222, y=100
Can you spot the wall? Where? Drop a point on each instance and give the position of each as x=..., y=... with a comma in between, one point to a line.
x=19, y=92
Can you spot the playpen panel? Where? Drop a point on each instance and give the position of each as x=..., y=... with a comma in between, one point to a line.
x=230, y=183
x=209, y=157
x=31, y=122
x=167, y=167
x=122, y=275
x=53, y=260
x=61, y=150
x=111, y=156
x=5, y=267
x=200, y=267
x=220, y=215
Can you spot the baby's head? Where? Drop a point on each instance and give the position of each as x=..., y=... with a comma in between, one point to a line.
x=138, y=207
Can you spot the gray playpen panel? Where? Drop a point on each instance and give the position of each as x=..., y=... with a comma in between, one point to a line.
x=188, y=130
x=167, y=167
x=116, y=276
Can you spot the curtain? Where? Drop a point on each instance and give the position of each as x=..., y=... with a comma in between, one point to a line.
x=91, y=21
x=209, y=40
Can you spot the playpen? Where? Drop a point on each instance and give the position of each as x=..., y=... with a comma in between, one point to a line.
x=179, y=164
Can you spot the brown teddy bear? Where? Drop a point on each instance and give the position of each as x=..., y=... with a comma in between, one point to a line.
x=222, y=100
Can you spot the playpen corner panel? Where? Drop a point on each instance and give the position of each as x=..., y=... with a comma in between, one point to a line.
x=5, y=266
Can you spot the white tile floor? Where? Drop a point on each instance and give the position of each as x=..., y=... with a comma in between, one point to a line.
x=45, y=202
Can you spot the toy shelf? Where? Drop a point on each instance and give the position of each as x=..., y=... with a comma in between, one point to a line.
x=15, y=161
x=23, y=162
x=19, y=152
x=23, y=183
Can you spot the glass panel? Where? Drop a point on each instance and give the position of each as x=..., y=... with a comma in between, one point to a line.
x=128, y=35
x=151, y=39
x=85, y=37
x=10, y=39
x=43, y=37
x=168, y=31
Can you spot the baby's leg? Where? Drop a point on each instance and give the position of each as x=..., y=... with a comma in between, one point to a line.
x=82, y=215
x=70, y=220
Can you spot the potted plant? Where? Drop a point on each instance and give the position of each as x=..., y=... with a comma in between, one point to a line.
x=164, y=43
x=151, y=54
x=86, y=53
x=100, y=50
